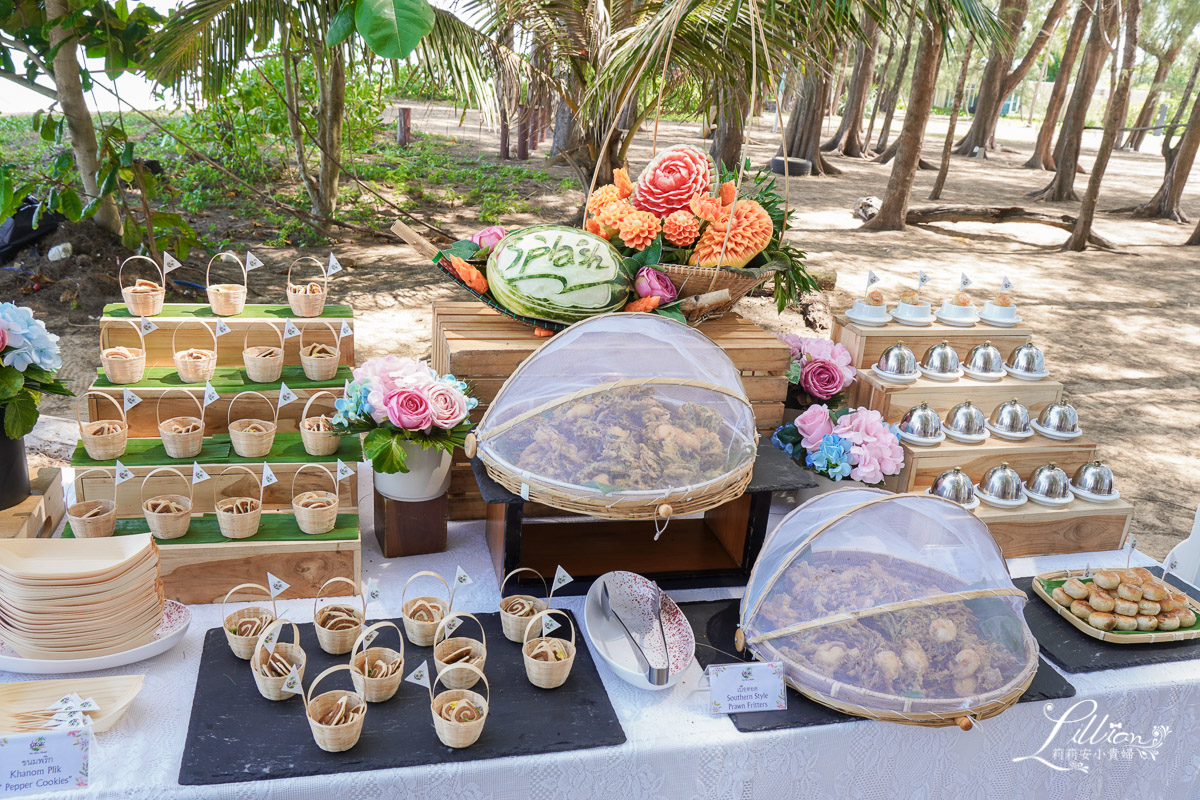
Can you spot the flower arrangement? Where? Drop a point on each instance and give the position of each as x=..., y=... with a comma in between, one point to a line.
x=395, y=400
x=852, y=443
x=29, y=359
x=820, y=368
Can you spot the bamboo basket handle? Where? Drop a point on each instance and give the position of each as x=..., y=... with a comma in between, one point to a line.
x=221, y=255
x=268, y=323
x=546, y=613
x=441, y=628
x=263, y=397
x=314, y=396
x=324, y=277
x=362, y=638
x=158, y=405
x=337, y=337
x=545, y=585
x=312, y=686
x=314, y=466
x=157, y=268
x=211, y=332
x=75, y=482
x=155, y=471
x=415, y=575
x=108, y=397
x=244, y=469
x=338, y=579
x=137, y=328
x=478, y=673
x=278, y=623
x=267, y=592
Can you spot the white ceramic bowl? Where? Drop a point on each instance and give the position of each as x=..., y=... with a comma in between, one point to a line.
x=951, y=311
x=868, y=312
x=1001, y=313
x=918, y=310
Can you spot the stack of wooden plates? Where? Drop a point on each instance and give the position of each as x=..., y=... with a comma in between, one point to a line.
x=79, y=598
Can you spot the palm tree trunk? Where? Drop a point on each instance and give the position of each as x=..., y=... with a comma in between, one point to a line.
x=1141, y=125
x=732, y=104
x=1043, y=156
x=1168, y=152
x=804, y=124
x=894, y=93
x=940, y=182
x=991, y=87
x=1165, y=203
x=848, y=139
x=1194, y=239
x=331, y=83
x=882, y=85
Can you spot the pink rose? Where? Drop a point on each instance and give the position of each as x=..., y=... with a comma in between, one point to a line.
x=814, y=424
x=409, y=409
x=672, y=179
x=447, y=405
x=487, y=239
x=820, y=378
x=653, y=283
x=834, y=352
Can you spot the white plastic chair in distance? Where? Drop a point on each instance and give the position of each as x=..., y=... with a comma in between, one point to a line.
x=1186, y=555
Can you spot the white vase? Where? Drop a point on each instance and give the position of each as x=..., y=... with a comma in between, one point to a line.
x=428, y=475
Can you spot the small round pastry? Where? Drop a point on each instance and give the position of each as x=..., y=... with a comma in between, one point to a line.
x=1062, y=598
x=1169, y=621
x=1131, y=576
x=1173, y=602
x=1076, y=588
x=1154, y=590
x=1146, y=622
x=1125, y=607
x=1002, y=300
x=874, y=298
x=1126, y=623
x=1102, y=620
x=910, y=296
x=1144, y=574
x=1187, y=617
x=1081, y=609
x=1150, y=607
x=961, y=299
x=1107, y=579
x=1100, y=599
x=1129, y=591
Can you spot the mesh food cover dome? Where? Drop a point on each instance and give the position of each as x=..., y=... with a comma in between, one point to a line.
x=890, y=606
x=622, y=416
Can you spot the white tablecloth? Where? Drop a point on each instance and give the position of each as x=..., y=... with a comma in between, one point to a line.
x=676, y=749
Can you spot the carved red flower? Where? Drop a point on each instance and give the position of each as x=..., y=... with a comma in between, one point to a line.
x=672, y=179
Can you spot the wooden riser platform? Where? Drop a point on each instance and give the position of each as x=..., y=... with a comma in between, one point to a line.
x=866, y=344
x=1081, y=527
x=922, y=465
x=893, y=400
x=39, y=514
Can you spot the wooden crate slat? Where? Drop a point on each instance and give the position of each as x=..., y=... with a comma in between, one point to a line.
x=893, y=400
x=1081, y=527
x=922, y=465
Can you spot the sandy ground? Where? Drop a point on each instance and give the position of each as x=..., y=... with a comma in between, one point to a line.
x=1118, y=329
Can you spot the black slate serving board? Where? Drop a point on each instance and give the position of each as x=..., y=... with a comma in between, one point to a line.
x=714, y=623
x=1075, y=651
x=237, y=735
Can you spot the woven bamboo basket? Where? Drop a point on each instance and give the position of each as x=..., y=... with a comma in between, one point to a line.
x=182, y=437
x=512, y=624
x=238, y=517
x=144, y=298
x=339, y=737
x=1113, y=637
x=421, y=632
x=689, y=280
x=264, y=363
x=340, y=640
x=243, y=645
x=320, y=361
x=451, y=732
x=318, y=442
x=272, y=686
x=249, y=443
x=363, y=662
x=447, y=647
x=226, y=299
x=548, y=674
x=307, y=300
x=92, y=519
x=316, y=511
x=167, y=524
x=103, y=439
x=123, y=365
x=195, y=365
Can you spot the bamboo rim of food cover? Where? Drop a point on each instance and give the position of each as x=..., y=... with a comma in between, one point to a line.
x=321, y=367
x=167, y=524
x=513, y=625
x=92, y=519
x=314, y=521
x=108, y=445
x=232, y=523
x=318, y=443
x=420, y=632
x=451, y=644
x=304, y=303
x=123, y=370
x=247, y=443
x=548, y=674
x=1113, y=637
x=186, y=444
x=194, y=370
x=226, y=299
x=383, y=687
x=339, y=737
x=261, y=366
x=339, y=642
x=147, y=303
x=271, y=687
x=450, y=732
x=243, y=646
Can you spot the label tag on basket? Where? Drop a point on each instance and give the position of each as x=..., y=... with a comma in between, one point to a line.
x=122, y=474
x=129, y=399
x=276, y=585
x=1005, y=284
x=198, y=473
x=222, y=328
x=286, y=395
x=268, y=477
x=170, y=263
x=210, y=394
x=292, y=684
x=346, y=330
x=334, y=267
x=45, y=761
x=452, y=624
x=420, y=675
x=549, y=626
x=343, y=470
x=737, y=688
x=290, y=330
x=146, y=326
x=252, y=261
x=561, y=579
x=372, y=590
x=462, y=578
x=922, y=278
x=964, y=281
x=370, y=637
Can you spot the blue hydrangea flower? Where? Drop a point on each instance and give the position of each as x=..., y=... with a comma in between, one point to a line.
x=28, y=340
x=832, y=457
x=784, y=446
x=353, y=405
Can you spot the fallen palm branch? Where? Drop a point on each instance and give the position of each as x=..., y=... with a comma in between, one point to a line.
x=924, y=215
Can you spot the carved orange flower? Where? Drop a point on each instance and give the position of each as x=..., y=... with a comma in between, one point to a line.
x=602, y=197
x=749, y=231
x=622, y=182
x=707, y=208
x=728, y=193
x=644, y=304
x=610, y=215
x=592, y=226
x=681, y=228
x=468, y=274
x=638, y=229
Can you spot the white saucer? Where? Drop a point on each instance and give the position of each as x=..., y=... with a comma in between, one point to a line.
x=996, y=502
x=967, y=322
x=982, y=376
x=870, y=323
x=916, y=322
x=1027, y=376
x=1012, y=437
x=940, y=376
x=1042, y=500
x=1055, y=435
x=921, y=441
x=965, y=439
x=1095, y=498
x=999, y=323
x=968, y=506
x=888, y=376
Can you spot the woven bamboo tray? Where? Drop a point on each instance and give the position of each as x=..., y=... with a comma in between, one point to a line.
x=1045, y=583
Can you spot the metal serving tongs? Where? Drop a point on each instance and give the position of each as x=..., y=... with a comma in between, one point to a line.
x=657, y=676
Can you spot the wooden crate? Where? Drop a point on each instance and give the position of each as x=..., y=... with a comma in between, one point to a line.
x=922, y=465
x=867, y=344
x=1081, y=527
x=37, y=516
x=893, y=400
x=482, y=347
x=115, y=331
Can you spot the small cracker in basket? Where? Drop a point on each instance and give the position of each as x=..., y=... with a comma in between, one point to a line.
x=519, y=606
x=338, y=618
x=276, y=666
x=121, y=353
x=179, y=425
x=104, y=428
x=383, y=669
x=547, y=650
x=143, y=286
x=319, y=424
x=251, y=626
x=262, y=351
x=314, y=501
x=461, y=711
x=426, y=611
x=318, y=350
x=163, y=505
x=195, y=354
x=307, y=288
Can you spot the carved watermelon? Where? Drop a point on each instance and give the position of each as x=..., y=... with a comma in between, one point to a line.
x=557, y=273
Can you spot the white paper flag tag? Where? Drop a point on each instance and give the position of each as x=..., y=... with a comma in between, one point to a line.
x=334, y=266
x=922, y=278
x=346, y=330
x=290, y=330
x=68, y=720
x=170, y=263
x=964, y=281
x=549, y=626
x=286, y=395
x=222, y=328
x=561, y=578
x=1006, y=284
x=198, y=473
x=268, y=477
x=129, y=399
x=210, y=394
x=462, y=578
x=872, y=278
x=420, y=675
x=372, y=590
x=268, y=642
x=252, y=261
x=452, y=624
x=292, y=684
x=276, y=585
x=68, y=702
x=343, y=470
x=370, y=637
x=146, y=326
x=123, y=473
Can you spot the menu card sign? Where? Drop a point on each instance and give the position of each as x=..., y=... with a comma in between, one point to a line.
x=737, y=688
x=44, y=761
